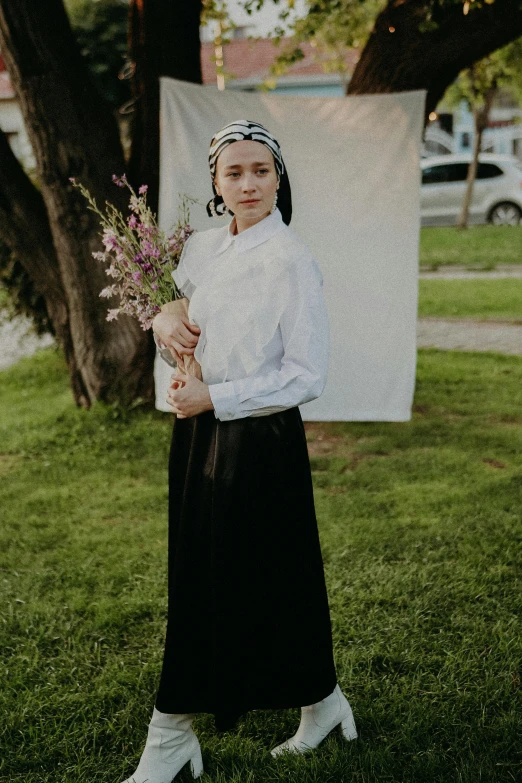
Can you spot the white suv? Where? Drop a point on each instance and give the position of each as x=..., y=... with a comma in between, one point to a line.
x=497, y=190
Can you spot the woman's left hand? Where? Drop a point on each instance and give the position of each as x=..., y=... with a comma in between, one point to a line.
x=188, y=396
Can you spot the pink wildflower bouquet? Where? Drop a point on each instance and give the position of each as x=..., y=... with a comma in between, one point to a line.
x=140, y=255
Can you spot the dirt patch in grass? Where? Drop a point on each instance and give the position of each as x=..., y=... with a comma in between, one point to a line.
x=322, y=445
x=8, y=463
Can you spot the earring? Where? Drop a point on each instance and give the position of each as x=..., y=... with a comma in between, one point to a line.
x=212, y=211
x=274, y=203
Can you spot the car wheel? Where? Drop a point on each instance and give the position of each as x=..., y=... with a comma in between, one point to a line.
x=505, y=214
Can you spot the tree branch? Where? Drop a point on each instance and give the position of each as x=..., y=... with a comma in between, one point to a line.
x=399, y=57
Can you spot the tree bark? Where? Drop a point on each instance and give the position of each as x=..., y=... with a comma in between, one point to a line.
x=73, y=133
x=163, y=41
x=24, y=226
x=399, y=57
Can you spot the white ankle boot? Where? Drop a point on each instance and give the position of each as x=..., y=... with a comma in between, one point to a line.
x=317, y=721
x=171, y=742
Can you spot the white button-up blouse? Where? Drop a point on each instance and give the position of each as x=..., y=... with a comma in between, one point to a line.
x=257, y=297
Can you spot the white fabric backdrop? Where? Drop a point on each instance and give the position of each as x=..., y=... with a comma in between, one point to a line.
x=354, y=170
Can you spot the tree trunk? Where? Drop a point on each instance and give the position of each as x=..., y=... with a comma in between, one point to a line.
x=73, y=133
x=399, y=57
x=163, y=41
x=24, y=226
x=480, y=121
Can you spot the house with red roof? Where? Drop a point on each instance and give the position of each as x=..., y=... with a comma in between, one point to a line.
x=245, y=63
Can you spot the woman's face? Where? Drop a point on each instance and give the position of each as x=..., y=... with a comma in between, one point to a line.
x=246, y=178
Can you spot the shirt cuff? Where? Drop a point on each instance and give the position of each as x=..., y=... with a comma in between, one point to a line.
x=157, y=340
x=224, y=400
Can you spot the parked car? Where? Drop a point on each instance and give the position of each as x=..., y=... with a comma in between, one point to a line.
x=497, y=190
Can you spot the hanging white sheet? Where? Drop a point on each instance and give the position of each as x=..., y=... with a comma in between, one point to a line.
x=353, y=165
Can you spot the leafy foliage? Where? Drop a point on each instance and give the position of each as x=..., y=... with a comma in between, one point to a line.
x=332, y=26
x=100, y=27
x=501, y=69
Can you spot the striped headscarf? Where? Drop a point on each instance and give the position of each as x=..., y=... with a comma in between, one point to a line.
x=247, y=130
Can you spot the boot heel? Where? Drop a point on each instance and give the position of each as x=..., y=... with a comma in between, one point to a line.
x=196, y=764
x=348, y=729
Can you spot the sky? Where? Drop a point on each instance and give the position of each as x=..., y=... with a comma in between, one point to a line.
x=263, y=21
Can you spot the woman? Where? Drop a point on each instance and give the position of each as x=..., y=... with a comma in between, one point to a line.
x=248, y=618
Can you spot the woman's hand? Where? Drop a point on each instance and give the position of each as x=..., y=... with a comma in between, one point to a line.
x=188, y=396
x=172, y=326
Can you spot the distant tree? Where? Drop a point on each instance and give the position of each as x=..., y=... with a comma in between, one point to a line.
x=477, y=87
x=405, y=44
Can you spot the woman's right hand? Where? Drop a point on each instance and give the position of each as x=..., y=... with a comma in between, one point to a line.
x=172, y=326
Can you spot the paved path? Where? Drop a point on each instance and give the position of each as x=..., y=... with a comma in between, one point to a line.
x=462, y=273
x=466, y=334
x=457, y=334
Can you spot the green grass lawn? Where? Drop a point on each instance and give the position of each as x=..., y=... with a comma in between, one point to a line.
x=421, y=530
x=481, y=299
x=480, y=247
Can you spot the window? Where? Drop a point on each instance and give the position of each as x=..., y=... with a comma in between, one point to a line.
x=434, y=174
x=458, y=172
x=436, y=147
x=445, y=172
x=241, y=31
x=466, y=140
x=488, y=171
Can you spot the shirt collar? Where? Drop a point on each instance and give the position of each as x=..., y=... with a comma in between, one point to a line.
x=253, y=236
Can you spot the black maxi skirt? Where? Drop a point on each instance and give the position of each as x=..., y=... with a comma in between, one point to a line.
x=248, y=623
